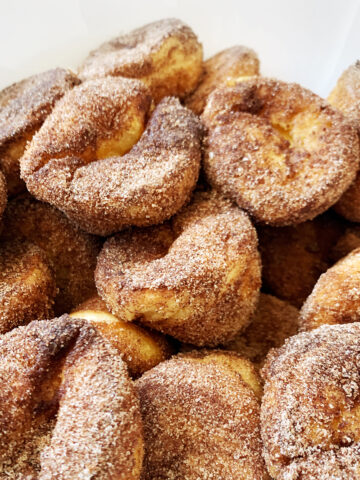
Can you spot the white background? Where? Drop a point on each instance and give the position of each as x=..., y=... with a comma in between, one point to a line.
x=308, y=41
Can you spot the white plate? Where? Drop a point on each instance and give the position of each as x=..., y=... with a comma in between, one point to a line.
x=308, y=41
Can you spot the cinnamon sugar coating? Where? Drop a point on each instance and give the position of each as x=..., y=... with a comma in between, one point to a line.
x=223, y=69
x=196, y=277
x=27, y=285
x=336, y=295
x=165, y=55
x=141, y=348
x=23, y=108
x=293, y=258
x=272, y=323
x=278, y=150
x=78, y=161
x=71, y=252
x=68, y=409
x=201, y=419
x=310, y=409
x=346, y=97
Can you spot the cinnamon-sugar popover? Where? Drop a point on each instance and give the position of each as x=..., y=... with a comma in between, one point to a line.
x=196, y=277
x=201, y=419
x=223, y=69
x=71, y=252
x=80, y=161
x=278, y=150
x=27, y=284
x=165, y=55
x=346, y=97
x=310, y=408
x=68, y=409
x=272, y=323
x=336, y=295
x=23, y=108
x=141, y=348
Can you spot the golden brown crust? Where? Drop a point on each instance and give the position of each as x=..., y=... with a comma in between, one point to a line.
x=196, y=277
x=67, y=406
x=294, y=257
x=223, y=69
x=23, y=108
x=201, y=420
x=310, y=409
x=27, y=285
x=71, y=252
x=272, y=323
x=141, y=348
x=75, y=162
x=165, y=55
x=89, y=116
x=278, y=150
x=335, y=297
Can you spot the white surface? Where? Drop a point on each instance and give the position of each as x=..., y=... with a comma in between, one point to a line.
x=308, y=41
